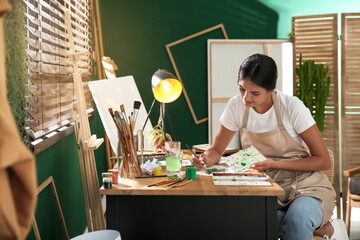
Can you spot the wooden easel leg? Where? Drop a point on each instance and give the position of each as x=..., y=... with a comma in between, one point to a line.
x=82, y=170
x=107, y=150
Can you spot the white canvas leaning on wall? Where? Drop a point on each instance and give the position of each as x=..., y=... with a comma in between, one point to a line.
x=111, y=93
x=224, y=60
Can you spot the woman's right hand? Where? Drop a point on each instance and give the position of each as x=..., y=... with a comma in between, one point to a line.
x=208, y=158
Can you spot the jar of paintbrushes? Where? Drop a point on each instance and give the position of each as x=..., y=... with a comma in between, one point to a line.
x=129, y=166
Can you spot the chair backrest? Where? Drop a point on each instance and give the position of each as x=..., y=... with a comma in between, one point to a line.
x=330, y=172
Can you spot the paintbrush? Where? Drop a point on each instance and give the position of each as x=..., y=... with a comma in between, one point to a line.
x=162, y=183
x=122, y=108
x=176, y=183
x=195, y=156
x=184, y=183
x=111, y=112
x=137, y=105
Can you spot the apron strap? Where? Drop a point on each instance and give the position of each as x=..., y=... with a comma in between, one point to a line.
x=277, y=112
x=245, y=118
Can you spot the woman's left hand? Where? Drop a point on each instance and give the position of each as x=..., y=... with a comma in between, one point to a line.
x=264, y=165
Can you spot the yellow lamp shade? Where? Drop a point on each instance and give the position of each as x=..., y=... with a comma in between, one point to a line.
x=165, y=86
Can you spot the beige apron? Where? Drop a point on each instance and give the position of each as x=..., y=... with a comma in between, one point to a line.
x=280, y=146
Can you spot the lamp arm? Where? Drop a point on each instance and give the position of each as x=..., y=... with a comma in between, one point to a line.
x=172, y=127
x=162, y=108
x=147, y=118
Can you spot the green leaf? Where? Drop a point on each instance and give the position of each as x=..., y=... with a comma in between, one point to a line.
x=313, y=88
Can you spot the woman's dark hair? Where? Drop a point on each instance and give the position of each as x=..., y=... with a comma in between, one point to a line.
x=259, y=69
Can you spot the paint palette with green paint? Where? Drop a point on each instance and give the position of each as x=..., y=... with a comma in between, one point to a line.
x=244, y=159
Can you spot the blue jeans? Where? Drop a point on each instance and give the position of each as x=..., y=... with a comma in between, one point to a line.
x=300, y=219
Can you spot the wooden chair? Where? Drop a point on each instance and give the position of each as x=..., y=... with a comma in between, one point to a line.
x=353, y=194
x=330, y=172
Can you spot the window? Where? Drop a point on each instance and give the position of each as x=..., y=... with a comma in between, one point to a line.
x=51, y=93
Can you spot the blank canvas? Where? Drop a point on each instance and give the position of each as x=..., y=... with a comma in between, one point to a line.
x=111, y=93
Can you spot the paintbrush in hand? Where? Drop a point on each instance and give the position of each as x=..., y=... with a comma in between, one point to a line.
x=196, y=156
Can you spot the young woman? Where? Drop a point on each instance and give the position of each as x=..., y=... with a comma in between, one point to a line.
x=278, y=125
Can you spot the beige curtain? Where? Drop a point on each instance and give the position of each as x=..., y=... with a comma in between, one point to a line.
x=17, y=164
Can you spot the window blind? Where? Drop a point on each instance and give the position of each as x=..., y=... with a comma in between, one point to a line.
x=50, y=69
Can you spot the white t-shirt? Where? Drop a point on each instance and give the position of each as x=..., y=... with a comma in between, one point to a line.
x=295, y=115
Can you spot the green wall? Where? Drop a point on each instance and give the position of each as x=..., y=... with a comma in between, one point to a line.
x=135, y=34
x=289, y=8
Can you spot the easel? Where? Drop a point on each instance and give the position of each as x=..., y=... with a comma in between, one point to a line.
x=86, y=145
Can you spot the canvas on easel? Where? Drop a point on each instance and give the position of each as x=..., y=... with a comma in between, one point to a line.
x=111, y=93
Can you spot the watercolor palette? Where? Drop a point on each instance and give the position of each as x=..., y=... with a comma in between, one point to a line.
x=243, y=159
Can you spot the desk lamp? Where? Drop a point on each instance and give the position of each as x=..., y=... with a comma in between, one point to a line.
x=166, y=88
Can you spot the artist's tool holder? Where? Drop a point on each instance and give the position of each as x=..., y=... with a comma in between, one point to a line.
x=129, y=167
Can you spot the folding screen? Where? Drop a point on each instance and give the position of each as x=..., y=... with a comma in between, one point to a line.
x=350, y=93
x=316, y=38
x=224, y=60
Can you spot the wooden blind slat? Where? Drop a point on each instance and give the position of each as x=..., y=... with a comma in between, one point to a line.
x=37, y=78
x=60, y=23
x=47, y=58
x=40, y=67
x=32, y=7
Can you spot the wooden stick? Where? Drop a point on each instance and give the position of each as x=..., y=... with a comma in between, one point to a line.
x=96, y=43
x=82, y=171
x=35, y=228
x=99, y=33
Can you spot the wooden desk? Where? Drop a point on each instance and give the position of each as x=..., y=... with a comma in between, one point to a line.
x=198, y=210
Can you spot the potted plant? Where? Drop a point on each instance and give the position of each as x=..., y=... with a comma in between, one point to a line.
x=313, y=89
